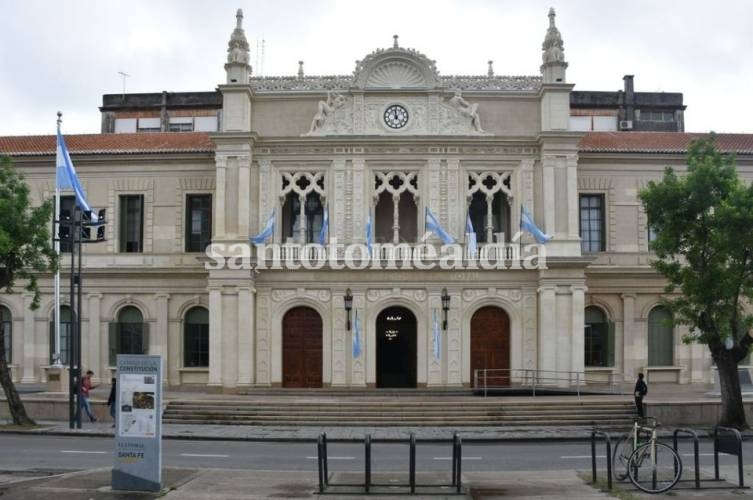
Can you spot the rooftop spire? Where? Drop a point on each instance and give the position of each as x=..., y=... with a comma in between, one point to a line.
x=490, y=72
x=553, y=55
x=300, y=69
x=238, y=57
x=394, y=42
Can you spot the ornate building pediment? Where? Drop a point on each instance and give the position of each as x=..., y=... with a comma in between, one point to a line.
x=396, y=68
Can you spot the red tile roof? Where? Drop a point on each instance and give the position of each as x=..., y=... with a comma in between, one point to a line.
x=659, y=142
x=167, y=142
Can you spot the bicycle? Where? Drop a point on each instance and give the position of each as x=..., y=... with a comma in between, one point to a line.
x=652, y=466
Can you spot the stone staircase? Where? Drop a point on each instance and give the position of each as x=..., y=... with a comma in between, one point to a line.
x=399, y=411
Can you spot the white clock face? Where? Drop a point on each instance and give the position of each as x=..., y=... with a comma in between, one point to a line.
x=395, y=116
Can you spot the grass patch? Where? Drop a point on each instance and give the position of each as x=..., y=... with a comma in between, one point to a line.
x=601, y=485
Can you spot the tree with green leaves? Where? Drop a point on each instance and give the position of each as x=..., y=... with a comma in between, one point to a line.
x=704, y=243
x=25, y=249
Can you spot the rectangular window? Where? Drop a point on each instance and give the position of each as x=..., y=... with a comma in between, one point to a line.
x=149, y=125
x=198, y=222
x=132, y=223
x=181, y=124
x=592, y=229
x=657, y=116
x=205, y=124
x=196, y=345
x=125, y=125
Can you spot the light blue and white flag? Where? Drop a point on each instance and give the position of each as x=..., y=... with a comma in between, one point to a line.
x=527, y=224
x=269, y=230
x=356, y=336
x=65, y=174
x=432, y=224
x=472, y=244
x=369, y=237
x=436, y=339
x=324, y=231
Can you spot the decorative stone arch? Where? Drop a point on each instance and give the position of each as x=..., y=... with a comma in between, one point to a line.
x=112, y=314
x=603, y=305
x=190, y=304
x=14, y=311
x=513, y=310
x=648, y=307
x=278, y=313
x=396, y=67
x=653, y=343
x=373, y=309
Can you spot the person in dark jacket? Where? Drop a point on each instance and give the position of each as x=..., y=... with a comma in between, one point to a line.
x=111, y=400
x=641, y=389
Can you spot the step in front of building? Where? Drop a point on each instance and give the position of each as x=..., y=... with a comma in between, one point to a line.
x=406, y=413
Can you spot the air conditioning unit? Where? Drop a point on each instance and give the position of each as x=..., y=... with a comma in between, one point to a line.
x=626, y=124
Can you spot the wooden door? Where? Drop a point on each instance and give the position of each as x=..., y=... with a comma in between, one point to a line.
x=302, y=348
x=490, y=344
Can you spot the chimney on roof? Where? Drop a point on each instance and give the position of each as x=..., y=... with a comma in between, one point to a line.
x=628, y=80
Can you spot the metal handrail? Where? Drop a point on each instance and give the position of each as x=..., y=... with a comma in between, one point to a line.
x=484, y=378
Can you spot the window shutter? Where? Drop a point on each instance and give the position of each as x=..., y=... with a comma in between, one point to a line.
x=145, y=338
x=610, y=344
x=113, y=343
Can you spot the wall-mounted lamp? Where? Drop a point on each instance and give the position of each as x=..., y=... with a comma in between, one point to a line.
x=348, y=299
x=445, y=307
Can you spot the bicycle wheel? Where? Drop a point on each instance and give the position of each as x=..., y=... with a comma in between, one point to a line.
x=620, y=456
x=654, y=472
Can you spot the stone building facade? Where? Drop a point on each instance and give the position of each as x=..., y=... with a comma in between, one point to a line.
x=383, y=144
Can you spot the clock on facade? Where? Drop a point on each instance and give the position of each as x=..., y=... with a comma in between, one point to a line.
x=395, y=116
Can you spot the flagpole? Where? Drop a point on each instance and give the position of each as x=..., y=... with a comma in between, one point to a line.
x=56, y=239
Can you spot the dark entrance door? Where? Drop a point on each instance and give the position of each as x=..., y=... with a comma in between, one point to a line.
x=490, y=344
x=396, y=348
x=302, y=348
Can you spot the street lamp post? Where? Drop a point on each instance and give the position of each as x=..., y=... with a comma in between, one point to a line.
x=445, y=307
x=348, y=299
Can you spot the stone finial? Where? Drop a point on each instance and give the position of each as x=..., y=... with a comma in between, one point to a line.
x=300, y=69
x=239, y=19
x=552, y=15
x=553, y=47
x=238, y=48
x=490, y=71
x=394, y=42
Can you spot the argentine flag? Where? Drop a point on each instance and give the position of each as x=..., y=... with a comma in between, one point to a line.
x=472, y=244
x=436, y=339
x=65, y=174
x=432, y=224
x=527, y=224
x=269, y=230
x=356, y=336
x=369, y=238
x=324, y=231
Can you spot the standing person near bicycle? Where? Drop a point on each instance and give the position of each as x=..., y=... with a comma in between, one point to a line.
x=641, y=389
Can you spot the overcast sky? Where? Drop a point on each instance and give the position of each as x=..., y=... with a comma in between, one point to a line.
x=64, y=54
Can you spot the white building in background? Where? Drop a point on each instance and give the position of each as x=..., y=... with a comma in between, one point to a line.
x=387, y=141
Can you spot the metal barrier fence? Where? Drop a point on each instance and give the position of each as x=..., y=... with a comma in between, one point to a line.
x=517, y=378
x=731, y=445
x=595, y=432
x=323, y=465
x=696, y=454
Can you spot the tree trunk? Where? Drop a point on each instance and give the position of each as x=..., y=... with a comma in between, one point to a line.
x=733, y=412
x=17, y=410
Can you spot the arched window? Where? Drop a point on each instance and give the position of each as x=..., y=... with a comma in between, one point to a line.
x=129, y=334
x=660, y=337
x=302, y=206
x=66, y=318
x=6, y=330
x=599, y=338
x=396, y=211
x=196, y=338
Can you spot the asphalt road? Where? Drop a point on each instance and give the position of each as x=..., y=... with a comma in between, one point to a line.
x=58, y=453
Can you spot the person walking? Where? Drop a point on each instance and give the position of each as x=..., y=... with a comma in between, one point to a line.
x=641, y=389
x=111, y=400
x=86, y=387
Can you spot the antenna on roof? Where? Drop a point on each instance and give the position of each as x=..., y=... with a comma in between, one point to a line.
x=123, y=76
x=263, y=45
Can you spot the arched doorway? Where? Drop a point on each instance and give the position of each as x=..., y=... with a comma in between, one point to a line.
x=396, y=348
x=490, y=344
x=302, y=348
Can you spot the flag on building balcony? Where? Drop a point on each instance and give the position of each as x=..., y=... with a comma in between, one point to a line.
x=324, y=231
x=369, y=238
x=527, y=224
x=472, y=244
x=65, y=174
x=433, y=225
x=356, y=336
x=436, y=339
x=269, y=230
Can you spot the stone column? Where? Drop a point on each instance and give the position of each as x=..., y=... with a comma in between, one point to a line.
x=158, y=340
x=215, y=336
x=27, y=370
x=547, y=328
x=435, y=367
x=244, y=194
x=95, y=337
x=577, y=330
x=219, y=198
x=627, y=348
x=246, y=335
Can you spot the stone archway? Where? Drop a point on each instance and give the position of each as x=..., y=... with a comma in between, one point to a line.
x=490, y=344
x=396, y=339
x=302, y=348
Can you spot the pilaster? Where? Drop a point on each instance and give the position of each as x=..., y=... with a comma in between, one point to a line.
x=29, y=361
x=94, y=337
